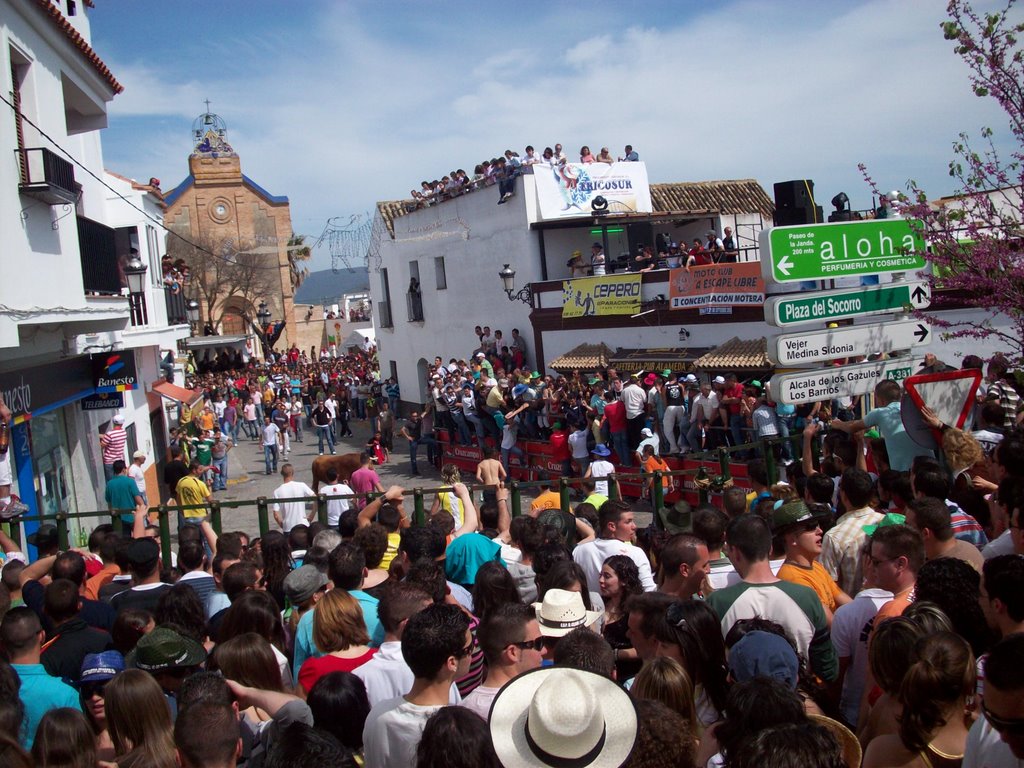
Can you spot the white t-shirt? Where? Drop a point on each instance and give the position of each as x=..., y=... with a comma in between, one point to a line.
x=635, y=400
x=480, y=699
x=985, y=748
x=335, y=507
x=135, y=473
x=851, y=627
x=591, y=556
x=598, y=469
x=392, y=733
x=270, y=433
x=578, y=441
x=292, y=512
x=386, y=675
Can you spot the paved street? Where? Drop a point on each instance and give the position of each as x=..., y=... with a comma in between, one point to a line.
x=247, y=478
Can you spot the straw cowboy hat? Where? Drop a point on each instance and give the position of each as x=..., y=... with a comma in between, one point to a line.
x=562, y=612
x=554, y=717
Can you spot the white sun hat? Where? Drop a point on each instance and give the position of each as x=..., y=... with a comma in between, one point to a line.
x=563, y=611
x=554, y=717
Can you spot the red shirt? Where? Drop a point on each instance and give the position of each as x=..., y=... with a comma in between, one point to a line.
x=615, y=412
x=559, y=443
x=313, y=669
x=736, y=391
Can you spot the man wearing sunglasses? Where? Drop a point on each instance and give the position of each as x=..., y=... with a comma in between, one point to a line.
x=512, y=643
x=996, y=740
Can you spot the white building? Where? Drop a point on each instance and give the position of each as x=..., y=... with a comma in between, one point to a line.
x=64, y=309
x=454, y=250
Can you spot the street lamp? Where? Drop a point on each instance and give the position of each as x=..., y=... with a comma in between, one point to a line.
x=263, y=315
x=508, y=281
x=135, y=274
x=192, y=312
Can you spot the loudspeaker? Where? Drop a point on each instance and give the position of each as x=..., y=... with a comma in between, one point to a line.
x=794, y=203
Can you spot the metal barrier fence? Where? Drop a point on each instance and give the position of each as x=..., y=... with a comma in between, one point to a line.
x=214, y=510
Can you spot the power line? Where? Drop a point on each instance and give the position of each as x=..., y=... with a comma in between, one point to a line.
x=74, y=161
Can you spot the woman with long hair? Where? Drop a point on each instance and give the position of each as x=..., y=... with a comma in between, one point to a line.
x=255, y=611
x=618, y=581
x=339, y=632
x=340, y=706
x=64, y=739
x=181, y=607
x=890, y=654
x=936, y=693
x=277, y=563
x=139, y=721
x=97, y=671
x=691, y=634
x=664, y=679
x=493, y=588
x=249, y=660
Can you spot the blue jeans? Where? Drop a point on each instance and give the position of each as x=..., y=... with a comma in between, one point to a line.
x=429, y=442
x=462, y=427
x=360, y=407
x=270, y=456
x=393, y=402
x=478, y=425
x=220, y=481
x=785, y=430
x=736, y=425
x=620, y=442
x=515, y=450
x=321, y=432
x=252, y=430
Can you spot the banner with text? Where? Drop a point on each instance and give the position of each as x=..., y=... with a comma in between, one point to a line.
x=605, y=295
x=565, y=190
x=716, y=285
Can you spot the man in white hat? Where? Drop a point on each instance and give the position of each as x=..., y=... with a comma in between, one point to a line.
x=561, y=718
x=561, y=612
x=617, y=528
x=135, y=473
x=113, y=442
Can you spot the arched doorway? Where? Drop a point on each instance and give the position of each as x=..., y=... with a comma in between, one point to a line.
x=232, y=322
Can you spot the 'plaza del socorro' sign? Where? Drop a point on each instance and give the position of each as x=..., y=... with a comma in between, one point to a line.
x=843, y=249
x=825, y=306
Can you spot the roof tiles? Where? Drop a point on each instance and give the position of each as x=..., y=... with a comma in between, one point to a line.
x=58, y=18
x=737, y=354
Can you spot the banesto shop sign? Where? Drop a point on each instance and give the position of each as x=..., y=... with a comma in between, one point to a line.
x=114, y=372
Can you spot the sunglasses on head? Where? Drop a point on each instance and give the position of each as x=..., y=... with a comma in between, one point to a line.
x=1014, y=727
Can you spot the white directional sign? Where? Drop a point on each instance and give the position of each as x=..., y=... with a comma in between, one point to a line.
x=850, y=341
x=847, y=380
x=824, y=306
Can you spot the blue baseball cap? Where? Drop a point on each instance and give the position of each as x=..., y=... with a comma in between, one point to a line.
x=101, y=666
x=764, y=654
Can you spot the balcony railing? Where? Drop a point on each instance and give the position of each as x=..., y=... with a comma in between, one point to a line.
x=97, y=245
x=46, y=176
x=414, y=299
x=384, y=314
x=175, y=302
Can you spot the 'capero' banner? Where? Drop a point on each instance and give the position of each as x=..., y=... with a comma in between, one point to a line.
x=606, y=295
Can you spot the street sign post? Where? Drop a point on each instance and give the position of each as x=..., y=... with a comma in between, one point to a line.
x=842, y=249
x=850, y=341
x=825, y=306
x=847, y=380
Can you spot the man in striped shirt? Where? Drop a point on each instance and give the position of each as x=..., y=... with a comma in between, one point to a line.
x=113, y=443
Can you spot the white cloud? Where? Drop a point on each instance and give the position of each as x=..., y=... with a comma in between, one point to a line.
x=339, y=117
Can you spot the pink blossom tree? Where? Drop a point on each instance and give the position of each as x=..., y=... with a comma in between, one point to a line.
x=976, y=235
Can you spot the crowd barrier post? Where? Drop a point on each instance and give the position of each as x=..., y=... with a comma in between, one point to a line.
x=772, y=469
x=14, y=532
x=164, y=522
x=263, y=515
x=563, y=494
x=657, y=494
x=614, y=492
x=723, y=461
x=515, y=499
x=61, y=522
x=321, y=508
x=419, y=513
x=215, y=518
x=118, y=523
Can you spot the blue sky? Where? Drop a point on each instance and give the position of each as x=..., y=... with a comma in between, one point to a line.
x=338, y=105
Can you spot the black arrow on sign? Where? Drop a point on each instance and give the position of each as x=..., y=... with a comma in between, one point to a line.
x=919, y=294
x=921, y=333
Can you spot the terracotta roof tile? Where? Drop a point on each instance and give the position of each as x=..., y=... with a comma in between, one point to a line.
x=588, y=357
x=724, y=197
x=58, y=18
x=737, y=355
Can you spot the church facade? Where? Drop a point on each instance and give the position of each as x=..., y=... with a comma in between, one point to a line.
x=234, y=239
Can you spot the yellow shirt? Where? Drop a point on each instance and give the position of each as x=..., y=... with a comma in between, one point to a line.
x=192, y=490
x=392, y=550
x=815, y=577
x=547, y=500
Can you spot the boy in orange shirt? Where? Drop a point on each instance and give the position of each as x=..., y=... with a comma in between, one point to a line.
x=654, y=463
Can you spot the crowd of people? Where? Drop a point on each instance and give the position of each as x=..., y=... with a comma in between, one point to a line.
x=868, y=609
x=837, y=619
x=503, y=171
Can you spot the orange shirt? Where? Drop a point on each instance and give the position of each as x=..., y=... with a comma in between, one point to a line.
x=815, y=577
x=656, y=463
x=94, y=583
x=547, y=500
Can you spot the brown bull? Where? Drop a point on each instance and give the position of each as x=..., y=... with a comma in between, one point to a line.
x=346, y=464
